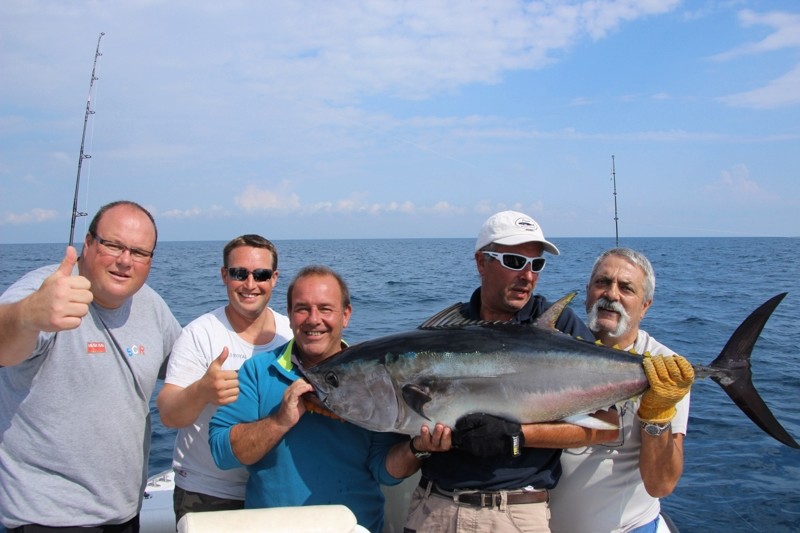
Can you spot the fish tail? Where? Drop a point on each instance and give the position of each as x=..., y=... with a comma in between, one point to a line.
x=731, y=370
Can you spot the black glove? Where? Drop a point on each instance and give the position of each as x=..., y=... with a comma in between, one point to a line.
x=488, y=436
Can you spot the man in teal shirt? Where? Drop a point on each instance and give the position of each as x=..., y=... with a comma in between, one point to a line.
x=299, y=458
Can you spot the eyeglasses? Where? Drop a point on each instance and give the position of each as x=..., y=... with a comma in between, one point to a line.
x=116, y=249
x=518, y=262
x=259, y=274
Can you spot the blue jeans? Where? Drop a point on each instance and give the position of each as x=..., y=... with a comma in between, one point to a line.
x=647, y=528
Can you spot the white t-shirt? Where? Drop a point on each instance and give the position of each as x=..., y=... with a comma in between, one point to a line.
x=601, y=488
x=198, y=346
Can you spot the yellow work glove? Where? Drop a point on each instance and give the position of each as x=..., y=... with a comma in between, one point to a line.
x=670, y=379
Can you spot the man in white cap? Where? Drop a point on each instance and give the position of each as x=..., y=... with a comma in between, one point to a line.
x=498, y=475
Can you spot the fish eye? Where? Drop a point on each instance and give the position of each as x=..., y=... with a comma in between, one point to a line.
x=332, y=379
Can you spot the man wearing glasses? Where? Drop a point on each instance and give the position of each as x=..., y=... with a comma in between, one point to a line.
x=499, y=473
x=202, y=373
x=616, y=486
x=82, y=345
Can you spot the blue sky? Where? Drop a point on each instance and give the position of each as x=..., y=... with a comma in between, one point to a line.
x=420, y=118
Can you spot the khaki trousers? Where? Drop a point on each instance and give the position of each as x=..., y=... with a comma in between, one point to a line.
x=433, y=513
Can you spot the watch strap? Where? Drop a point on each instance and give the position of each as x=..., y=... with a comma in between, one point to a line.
x=417, y=453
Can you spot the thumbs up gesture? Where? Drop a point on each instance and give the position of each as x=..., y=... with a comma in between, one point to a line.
x=62, y=300
x=220, y=387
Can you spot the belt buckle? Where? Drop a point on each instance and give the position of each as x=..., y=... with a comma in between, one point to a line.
x=490, y=499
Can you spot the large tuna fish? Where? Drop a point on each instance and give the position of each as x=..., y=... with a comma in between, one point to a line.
x=448, y=368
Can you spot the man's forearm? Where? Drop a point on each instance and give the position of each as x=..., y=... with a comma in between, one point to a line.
x=18, y=340
x=564, y=435
x=661, y=463
x=251, y=441
x=178, y=406
x=400, y=462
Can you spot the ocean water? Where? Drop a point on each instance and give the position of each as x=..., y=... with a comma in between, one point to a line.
x=736, y=478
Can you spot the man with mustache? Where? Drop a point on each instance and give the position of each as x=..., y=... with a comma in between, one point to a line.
x=498, y=476
x=615, y=486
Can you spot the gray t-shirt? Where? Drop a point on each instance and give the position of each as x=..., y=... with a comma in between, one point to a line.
x=74, y=416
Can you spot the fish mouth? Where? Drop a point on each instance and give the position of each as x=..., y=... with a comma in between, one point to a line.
x=314, y=405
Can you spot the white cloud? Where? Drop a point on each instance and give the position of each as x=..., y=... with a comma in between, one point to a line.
x=410, y=49
x=786, y=34
x=782, y=91
x=581, y=101
x=183, y=213
x=736, y=182
x=202, y=103
x=34, y=216
x=256, y=199
x=444, y=208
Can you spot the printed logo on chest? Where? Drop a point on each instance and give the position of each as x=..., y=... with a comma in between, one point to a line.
x=95, y=347
x=136, y=349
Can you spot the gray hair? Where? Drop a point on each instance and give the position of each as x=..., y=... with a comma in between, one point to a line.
x=638, y=259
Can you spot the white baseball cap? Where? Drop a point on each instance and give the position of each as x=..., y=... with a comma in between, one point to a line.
x=510, y=228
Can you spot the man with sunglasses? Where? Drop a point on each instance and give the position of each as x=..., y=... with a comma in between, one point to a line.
x=615, y=486
x=82, y=346
x=498, y=474
x=202, y=372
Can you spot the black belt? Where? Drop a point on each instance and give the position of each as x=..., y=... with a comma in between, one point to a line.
x=487, y=498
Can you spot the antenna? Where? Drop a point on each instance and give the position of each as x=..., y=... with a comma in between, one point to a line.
x=616, y=218
x=82, y=156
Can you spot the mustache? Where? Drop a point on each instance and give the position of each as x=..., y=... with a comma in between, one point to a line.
x=606, y=304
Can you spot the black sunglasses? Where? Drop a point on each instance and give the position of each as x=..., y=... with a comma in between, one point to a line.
x=259, y=274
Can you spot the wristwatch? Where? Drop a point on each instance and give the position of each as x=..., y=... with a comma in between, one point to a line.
x=655, y=429
x=418, y=454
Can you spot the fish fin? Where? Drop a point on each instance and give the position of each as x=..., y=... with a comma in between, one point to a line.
x=450, y=317
x=731, y=370
x=588, y=421
x=548, y=319
x=416, y=398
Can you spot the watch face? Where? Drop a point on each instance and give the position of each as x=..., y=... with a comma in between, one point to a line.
x=655, y=429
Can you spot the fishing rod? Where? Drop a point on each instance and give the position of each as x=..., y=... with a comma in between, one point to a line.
x=616, y=218
x=82, y=155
